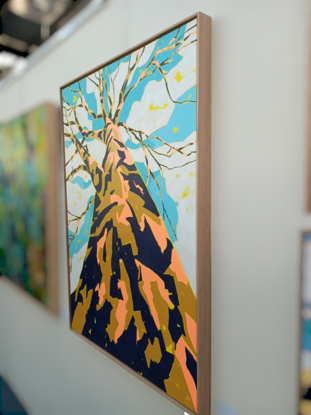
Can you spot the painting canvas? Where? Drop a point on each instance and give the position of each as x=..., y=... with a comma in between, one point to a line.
x=130, y=151
x=305, y=353
x=27, y=197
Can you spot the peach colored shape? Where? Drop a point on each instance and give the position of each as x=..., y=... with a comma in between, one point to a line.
x=138, y=187
x=158, y=230
x=91, y=161
x=126, y=211
x=121, y=311
x=180, y=353
x=192, y=330
x=178, y=268
x=101, y=292
x=100, y=245
x=149, y=276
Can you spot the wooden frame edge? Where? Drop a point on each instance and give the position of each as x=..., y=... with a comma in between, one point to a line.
x=204, y=214
x=203, y=210
x=65, y=190
x=52, y=130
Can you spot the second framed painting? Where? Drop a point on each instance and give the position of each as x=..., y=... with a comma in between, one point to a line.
x=28, y=203
x=137, y=155
x=305, y=341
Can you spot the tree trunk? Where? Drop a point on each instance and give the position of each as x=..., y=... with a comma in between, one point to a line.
x=133, y=298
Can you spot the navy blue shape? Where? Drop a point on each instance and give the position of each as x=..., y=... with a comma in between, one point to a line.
x=191, y=365
x=9, y=404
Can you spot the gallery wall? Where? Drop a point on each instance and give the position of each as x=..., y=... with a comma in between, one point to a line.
x=260, y=69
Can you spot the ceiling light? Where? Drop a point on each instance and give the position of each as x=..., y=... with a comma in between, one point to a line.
x=19, y=7
x=7, y=59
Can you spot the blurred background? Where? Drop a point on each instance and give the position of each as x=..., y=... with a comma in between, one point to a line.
x=27, y=24
x=260, y=190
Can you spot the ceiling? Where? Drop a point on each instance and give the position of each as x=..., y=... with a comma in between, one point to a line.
x=26, y=24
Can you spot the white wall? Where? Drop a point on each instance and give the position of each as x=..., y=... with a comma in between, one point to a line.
x=259, y=136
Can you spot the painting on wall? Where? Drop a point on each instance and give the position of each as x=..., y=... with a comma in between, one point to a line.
x=28, y=233
x=305, y=352
x=137, y=158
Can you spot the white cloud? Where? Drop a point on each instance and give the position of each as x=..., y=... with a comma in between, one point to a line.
x=91, y=88
x=153, y=111
x=183, y=76
x=77, y=198
x=77, y=263
x=305, y=359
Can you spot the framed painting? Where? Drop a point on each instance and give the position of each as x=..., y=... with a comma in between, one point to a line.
x=305, y=349
x=137, y=155
x=28, y=203
x=308, y=181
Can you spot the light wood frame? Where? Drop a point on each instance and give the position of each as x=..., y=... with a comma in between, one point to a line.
x=50, y=214
x=203, y=210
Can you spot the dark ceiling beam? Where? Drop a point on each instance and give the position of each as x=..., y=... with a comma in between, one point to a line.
x=14, y=51
x=2, y=3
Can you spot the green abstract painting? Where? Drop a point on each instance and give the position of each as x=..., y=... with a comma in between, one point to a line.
x=23, y=180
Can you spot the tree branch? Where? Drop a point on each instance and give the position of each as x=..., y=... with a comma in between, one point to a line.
x=97, y=134
x=78, y=218
x=168, y=92
x=122, y=96
x=81, y=167
x=93, y=167
x=83, y=105
x=180, y=42
x=163, y=206
x=101, y=96
x=172, y=148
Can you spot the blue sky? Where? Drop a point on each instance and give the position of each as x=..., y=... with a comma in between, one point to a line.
x=183, y=117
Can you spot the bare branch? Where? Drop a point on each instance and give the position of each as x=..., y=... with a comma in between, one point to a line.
x=101, y=97
x=131, y=69
x=106, y=88
x=163, y=206
x=147, y=149
x=112, y=82
x=90, y=79
x=93, y=167
x=78, y=218
x=188, y=30
x=178, y=167
x=179, y=43
x=71, y=158
x=81, y=167
x=172, y=148
x=83, y=105
x=97, y=134
x=168, y=92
